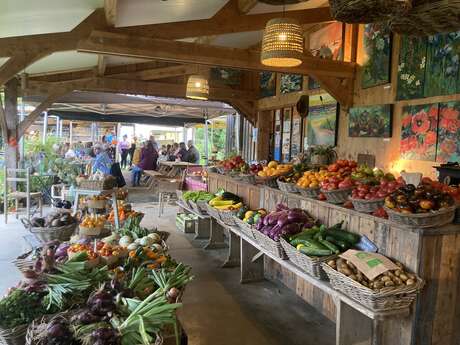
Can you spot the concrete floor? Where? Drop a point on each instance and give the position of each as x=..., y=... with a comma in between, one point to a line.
x=217, y=310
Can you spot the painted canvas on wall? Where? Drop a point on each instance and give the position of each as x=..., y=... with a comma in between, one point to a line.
x=322, y=120
x=313, y=84
x=267, y=84
x=227, y=76
x=327, y=42
x=442, y=61
x=411, y=67
x=291, y=83
x=449, y=133
x=419, y=132
x=373, y=121
x=377, y=55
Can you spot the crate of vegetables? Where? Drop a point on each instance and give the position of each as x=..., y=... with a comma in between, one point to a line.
x=57, y=225
x=245, y=219
x=281, y=222
x=313, y=246
x=420, y=207
x=373, y=280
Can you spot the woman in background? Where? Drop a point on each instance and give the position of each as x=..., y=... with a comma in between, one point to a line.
x=148, y=161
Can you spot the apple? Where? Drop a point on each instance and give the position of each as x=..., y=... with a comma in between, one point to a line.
x=332, y=186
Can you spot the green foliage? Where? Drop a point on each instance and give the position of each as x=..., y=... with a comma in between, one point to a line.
x=216, y=142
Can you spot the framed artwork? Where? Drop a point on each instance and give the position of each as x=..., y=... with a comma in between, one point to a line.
x=277, y=136
x=287, y=123
x=371, y=122
x=227, y=76
x=313, y=84
x=442, y=59
x=327, y=42
x=267, y=84
x=291, y=83
x=296, y=134
x=448, y=149
x=419, y=132
x=411, y=67
x=377, y=55
x=322, y=120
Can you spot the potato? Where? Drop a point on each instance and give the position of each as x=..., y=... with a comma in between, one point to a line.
x=345, y=271
x=403, y=277
x=352, y=276
x=389, y=283
x=411, y=276
x=385, y=279
x=400, y=265
x=378, y=285
x=410, y=282
x=332, y=263
x=359, y=277
x=398, y=273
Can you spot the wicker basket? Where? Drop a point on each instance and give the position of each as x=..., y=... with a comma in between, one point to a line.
x=385, y=299
x=91, y=185
x=202, y=206
x=268, y=181
x=244, y=227
x=213, y=212
x=367, y=206
x=247, y=178
x=338, y=196
x=96, y=204
x=14, y=336
x=228, y=217
x=308, y=264
x=269, y=245
x=96, y=231
x=422, y=220
x=311, y=193
x=367, y=11
x=428, y=18
x=194, y=207
x=25, y=261
x=61, y=233
x=287, y=187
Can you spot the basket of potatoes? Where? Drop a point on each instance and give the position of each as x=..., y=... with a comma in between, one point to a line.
x=393, y=289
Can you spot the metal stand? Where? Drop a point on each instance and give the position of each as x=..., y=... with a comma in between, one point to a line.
x=88, y=192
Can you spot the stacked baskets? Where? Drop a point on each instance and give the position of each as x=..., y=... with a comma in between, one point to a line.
x=309, y=192
x=422, y=220
x=273, y=247
x=287, y=187
x=367, y=206
x=337, y=196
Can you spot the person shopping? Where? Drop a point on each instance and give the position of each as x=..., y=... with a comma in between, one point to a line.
x=148, y=161
x=124, y=147
x=102, y=161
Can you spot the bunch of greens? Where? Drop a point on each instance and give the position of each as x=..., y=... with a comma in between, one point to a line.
x=20, y=307
x=133, y=228
x=197, y=196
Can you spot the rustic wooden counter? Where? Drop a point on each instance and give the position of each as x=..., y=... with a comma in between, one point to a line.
x=434, y=254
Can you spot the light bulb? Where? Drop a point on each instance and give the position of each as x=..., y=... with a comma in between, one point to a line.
x=197, y=84
x=282, y=36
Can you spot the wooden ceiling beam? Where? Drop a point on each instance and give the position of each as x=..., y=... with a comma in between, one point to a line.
x=108, y=43
x=160, y=73
x=19, y=62
x=244, y=6
x=101, y=65
x=110, y=10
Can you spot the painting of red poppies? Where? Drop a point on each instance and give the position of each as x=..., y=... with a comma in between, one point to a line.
x=449, y=132
x=419, y=132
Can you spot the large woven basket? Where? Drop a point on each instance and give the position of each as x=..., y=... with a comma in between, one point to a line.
x=14, y=336
x=367, y=206
x=287, y=187
x=25, y=261
x=268, y=181
x=367, y=11
x=308, y=264
x=96, y=204
x=385, y=299
x=422, y=220
x=92, y=185
x=213, y=212
x=227, y=217
x=61, y=233
x=247, y=178
x=194, y=207
x=202, y=206
x=269, y=245
x=337, y=196
x=245, y=228
x=309, y=192
x=428, y=18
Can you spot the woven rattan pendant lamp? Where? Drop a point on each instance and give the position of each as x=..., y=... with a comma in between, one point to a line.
x=282, y=43
x=197, y=87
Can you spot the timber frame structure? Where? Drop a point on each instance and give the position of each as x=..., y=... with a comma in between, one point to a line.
x=171, y=60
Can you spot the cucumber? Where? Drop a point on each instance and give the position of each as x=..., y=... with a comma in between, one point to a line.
x=311, y=251
x=342, y=244
x=343, y=235
x=331, y=246
x=305, y=234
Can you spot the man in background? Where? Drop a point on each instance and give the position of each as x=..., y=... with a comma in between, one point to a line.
x=154, y=143
x=124, y=147
x=102, y=161
x=193, y=156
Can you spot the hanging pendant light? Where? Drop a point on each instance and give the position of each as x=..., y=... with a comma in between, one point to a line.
x=197, y=87
x=282, y=43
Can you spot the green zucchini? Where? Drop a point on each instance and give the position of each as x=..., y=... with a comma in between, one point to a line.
x=305, y=234
x=342, y=244
x=331, y=246
x=315, y=251
x=343, y=235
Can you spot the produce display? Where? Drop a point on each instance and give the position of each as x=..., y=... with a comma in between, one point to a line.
x=274, y=169
x=54, y=219
x=284, y=222
x=251, y=217
x=421, y=199
x=93, y=221
x=225, y=201
x=197, y=196
x=235, y=164
x=323, y=241
x=378, y=191
x=387, y=281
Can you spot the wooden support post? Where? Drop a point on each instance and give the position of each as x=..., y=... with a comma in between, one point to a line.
x=352, y=327
x=233, y=257
x=251, y=270
x=216, y=239
x=11, y=115
x=202, y=230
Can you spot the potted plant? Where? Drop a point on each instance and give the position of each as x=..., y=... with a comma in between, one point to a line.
x=323, y=155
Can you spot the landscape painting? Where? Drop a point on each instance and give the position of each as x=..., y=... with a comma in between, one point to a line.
x=449, y=133
x=227, y=76
x=411, y=67
x=291, y=83
x=267, y=84
x=419, y=132
x=377, y=55
x=442, y=59
x=322, y=120
x=371, y=122
x=327, y=42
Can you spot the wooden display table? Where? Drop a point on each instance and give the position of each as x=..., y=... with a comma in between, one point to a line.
x=433, y=254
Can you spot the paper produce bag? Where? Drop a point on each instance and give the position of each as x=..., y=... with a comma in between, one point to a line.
x=370, y=264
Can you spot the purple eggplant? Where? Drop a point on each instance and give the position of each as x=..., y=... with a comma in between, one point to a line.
x=282, y=220
x=62, y=250
x=281, y=206
x=259, y=225
x=297, y=218
x=265, y=220
x=291, y=228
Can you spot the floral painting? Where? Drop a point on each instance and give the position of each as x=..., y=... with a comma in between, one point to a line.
x=449, y=132
x=327, y=42
x=377, y=51
x=322, y=120
x=291, y=83
x=227, y=76
x=419, y=132
x=442, y=61
x=313, y=84
x=411, y=67
x=267, y=84
x=372, y=121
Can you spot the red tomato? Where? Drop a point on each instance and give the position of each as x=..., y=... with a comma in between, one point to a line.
x=332, y=186
x=321, y=196
x=333, y=168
